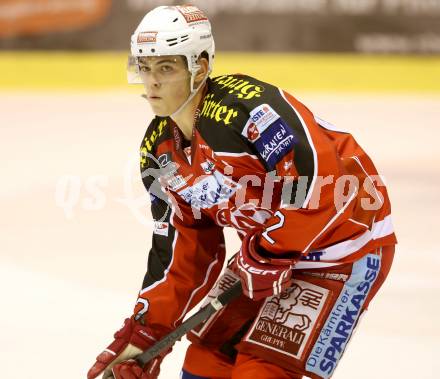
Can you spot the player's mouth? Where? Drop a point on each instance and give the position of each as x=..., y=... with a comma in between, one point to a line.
x=152, y=98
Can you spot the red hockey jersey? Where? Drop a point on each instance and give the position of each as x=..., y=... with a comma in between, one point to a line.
x=259, y=160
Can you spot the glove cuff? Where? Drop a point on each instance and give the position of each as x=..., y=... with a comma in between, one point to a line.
x=263, y=256
x=142, y=336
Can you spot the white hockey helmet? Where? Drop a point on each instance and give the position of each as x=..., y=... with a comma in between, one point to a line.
x=172, y=30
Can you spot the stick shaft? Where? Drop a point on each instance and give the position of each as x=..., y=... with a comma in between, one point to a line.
x=189, y=324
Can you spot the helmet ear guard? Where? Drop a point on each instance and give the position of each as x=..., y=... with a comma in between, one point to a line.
x=195, y=69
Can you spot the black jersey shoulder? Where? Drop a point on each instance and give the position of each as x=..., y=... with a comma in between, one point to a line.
x=160, y=254
x=229, y=104
x=157, y=132
x=225, y=110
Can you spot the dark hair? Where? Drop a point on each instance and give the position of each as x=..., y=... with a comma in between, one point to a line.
x=205, y=55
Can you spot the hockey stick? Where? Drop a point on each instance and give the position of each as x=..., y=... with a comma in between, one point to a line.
x=196, y=319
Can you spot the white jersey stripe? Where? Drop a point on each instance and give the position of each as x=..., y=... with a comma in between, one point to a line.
x=378, y=195
x=343, y=249
x=225, y=154
x=359, y=223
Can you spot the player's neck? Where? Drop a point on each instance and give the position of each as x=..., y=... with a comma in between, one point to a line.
x=185, y=118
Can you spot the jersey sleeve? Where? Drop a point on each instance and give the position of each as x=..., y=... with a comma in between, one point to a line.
x=317, y=194
x=185, y=258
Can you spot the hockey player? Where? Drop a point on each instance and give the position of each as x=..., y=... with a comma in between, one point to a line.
x=306, y=200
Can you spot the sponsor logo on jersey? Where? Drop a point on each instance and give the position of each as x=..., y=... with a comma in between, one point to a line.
x=314, y=256
x=214, y=110
x=175, y=182
x=260, y=119
x=209, y=191
x=343, y=317
x=275, y=143
x=285, y=322
x=169, y=176
x=328, y=275
x=243, y=89
x=208, y=167
x=252, y=132
x=161, y=228
x=271, y=136
x=148, y=142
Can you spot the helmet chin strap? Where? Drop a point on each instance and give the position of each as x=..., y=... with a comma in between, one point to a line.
x=191, y=95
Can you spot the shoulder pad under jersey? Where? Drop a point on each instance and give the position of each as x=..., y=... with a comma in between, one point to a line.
x=252, y=116
x=229, y=104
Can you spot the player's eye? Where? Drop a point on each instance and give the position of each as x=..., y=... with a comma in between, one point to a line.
x=166, y=68
x=144, y=69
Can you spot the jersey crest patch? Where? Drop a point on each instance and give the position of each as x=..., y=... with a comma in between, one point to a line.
x=286, y=322
x=209, y=191
x=269, y=133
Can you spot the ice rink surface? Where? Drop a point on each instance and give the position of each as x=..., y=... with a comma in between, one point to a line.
x=75, y=230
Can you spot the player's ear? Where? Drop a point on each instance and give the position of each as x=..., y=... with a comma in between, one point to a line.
x=203, y=70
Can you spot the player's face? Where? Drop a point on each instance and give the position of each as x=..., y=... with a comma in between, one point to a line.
x=166, y=80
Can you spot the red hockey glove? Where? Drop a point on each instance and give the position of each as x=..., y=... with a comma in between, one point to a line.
x=129, y=341
x=131, y=370
x=261, y=276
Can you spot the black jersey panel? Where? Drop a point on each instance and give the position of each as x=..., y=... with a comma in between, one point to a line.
x=160, y=255
x=230, y=102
